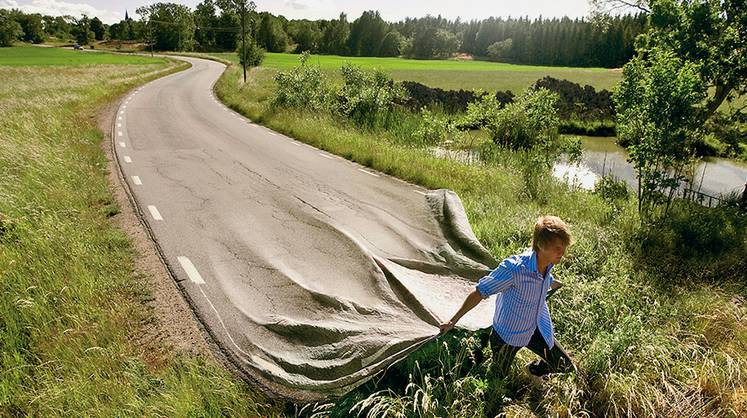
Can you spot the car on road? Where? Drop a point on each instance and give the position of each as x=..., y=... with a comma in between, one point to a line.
x=77, y=47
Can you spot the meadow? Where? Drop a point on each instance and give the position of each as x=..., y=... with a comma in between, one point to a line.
x=654, y=314
x=45, y=56
x=450, y=74
x=72, y=308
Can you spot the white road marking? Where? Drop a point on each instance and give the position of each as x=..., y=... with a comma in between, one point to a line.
x=123, y=145
x=119, y=133
x=272, y=133
x=121, y=112
x=368, y=172
x=119, y=117
x=326, y=156
x=119, y=125
x=296, y=144
x=418, y=191
x=155, y=213
x=127, y=159
x=136, y=180
x=190, y=269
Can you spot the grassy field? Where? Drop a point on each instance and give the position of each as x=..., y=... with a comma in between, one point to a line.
x=654, y=315
x=72, y=310
x=43, y=56
x=451, y=74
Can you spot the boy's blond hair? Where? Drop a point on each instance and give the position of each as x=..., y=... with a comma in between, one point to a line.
x=549, y=228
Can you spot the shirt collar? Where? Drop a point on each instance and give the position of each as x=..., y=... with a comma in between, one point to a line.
x=533, y=263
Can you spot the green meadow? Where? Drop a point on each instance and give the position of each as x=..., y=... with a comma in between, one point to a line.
x=451, y=74
x=44, y=56
x=72, y=308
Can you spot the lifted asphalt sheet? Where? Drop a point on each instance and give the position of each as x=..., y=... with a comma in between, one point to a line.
x=321, y=328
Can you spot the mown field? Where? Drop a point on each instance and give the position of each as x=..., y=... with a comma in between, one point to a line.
x=653, y=314
x=451, y=74
x=46, y=56
x=72, y=310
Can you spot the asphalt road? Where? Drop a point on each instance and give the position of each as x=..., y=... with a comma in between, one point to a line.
x=311, y=272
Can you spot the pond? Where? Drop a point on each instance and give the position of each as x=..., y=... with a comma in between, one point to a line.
x=714, y=176
x=602, y=155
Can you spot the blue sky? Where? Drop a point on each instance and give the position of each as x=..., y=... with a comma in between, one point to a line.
x=111, y=11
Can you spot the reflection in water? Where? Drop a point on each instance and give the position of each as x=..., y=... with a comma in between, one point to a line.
x=601, y=156
x=714, y=176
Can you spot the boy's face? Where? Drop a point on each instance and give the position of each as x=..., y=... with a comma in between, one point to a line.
x=553, y=251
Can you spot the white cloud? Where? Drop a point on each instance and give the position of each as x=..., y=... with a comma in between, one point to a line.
x=62, y=8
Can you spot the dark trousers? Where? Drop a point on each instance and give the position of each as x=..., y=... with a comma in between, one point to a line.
x=554, y=360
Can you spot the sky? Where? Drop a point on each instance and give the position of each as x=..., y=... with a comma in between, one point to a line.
x=111, y=11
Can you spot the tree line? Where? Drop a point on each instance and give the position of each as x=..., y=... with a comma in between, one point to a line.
x=213, y=26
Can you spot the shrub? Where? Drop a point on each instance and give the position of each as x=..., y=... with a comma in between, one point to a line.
x=611, y=188
x=368, y=97
x=529, y=122
x=433, y=129
x=576, y=102
x=302, y=87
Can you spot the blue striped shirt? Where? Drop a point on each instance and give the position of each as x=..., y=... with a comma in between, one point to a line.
x=520, y=308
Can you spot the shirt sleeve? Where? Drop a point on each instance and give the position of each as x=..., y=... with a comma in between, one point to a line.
x=498, y=280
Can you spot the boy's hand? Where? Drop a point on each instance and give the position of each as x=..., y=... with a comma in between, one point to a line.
x=446, y=327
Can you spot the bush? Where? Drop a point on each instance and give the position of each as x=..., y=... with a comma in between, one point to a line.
x=10, y=30
x=453, y=101
x=368, y=97
x=252, y=55
x=529, y=122
x=302, y=87
x=433, y=129
x=588, y=128
x=611, y=188
x=576, y=102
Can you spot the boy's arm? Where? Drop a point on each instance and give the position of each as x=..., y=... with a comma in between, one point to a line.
x=472, y=300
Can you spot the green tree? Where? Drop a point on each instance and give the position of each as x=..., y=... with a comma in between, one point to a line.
x=500, y=50
x=366, y=34
x=98, y=28
x=306, y=34
x=32, y=26
x=391, y=45
x=81, y=31
x=658, y=114
x=271, y=34
x=10, y=30
x=206, y=22
x=247, y=48
x=334, y=36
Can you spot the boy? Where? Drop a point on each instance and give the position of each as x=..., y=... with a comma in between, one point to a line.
x=521, y=316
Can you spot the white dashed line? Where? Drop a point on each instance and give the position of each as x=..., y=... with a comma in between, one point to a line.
x=296, y=144
x=154, y=213
x=123, y=145
x=190, y=269
x=368, y=172
x=119, y=133
x=418, y=191
x=136, y=180
x=127, y=159
x=326, y=156
x=119, y=117
x=119, y=125
x=272, y=133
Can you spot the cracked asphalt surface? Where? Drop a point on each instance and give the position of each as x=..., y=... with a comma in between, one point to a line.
x=312, y=273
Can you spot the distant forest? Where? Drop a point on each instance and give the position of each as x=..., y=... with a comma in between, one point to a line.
x=557, y=42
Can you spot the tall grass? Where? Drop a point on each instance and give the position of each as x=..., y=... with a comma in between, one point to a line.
x=72, y=313
x=649, y=341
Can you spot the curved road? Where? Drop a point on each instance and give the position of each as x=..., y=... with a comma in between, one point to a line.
x=310, y=272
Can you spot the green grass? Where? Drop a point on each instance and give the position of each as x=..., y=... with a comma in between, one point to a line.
x=652, y=315
x=72, y=311
x=451, y=74
x=43, y=56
